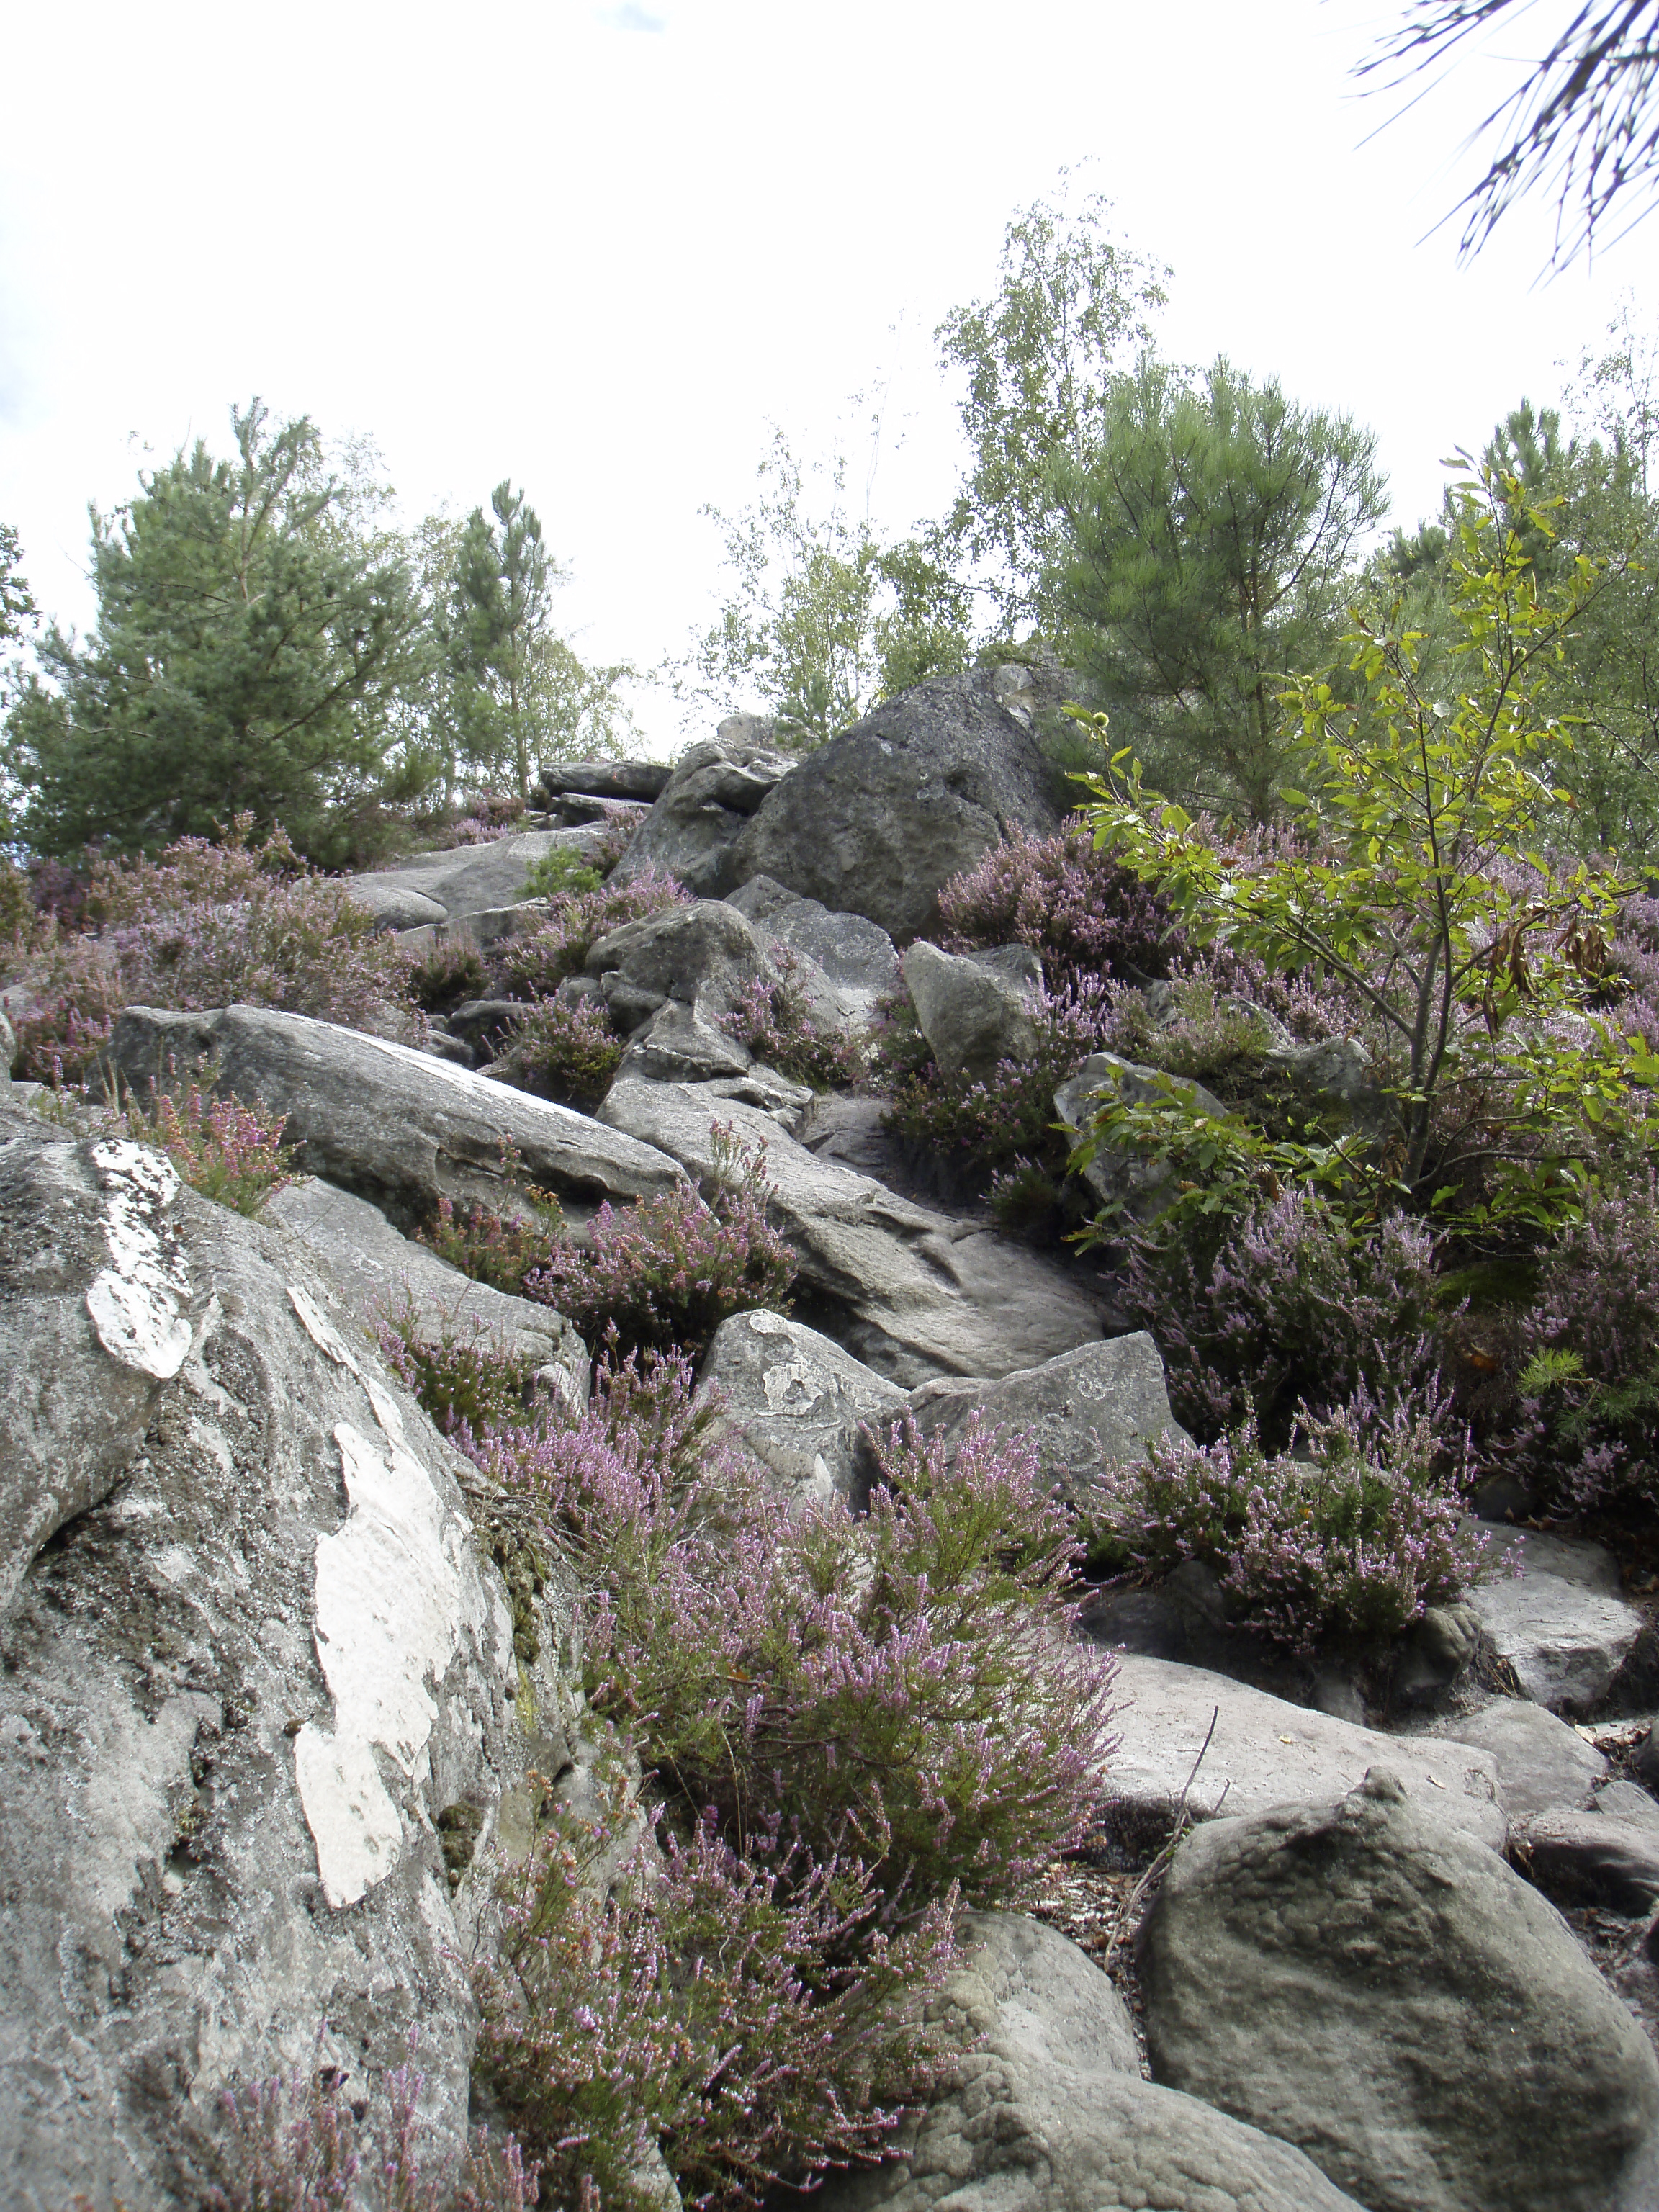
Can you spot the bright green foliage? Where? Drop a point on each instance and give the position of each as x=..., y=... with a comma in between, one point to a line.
x=1208, y=542
x=823, y=619
x=1039, y=358
x=1417, y=885
x=251, y=633
x=16, y=605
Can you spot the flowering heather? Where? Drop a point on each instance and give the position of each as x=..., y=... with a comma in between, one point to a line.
x=204, y=924
x=978, y=1126
x=567, y=1052
x=776, y=1022
x=232, y=1153
x=1591, y=1344
x=534, y=967
x=740, y=2022
x=309, y=2146
x=665, y=1272
x=1345, y=1538
x=1082, y=911
x=464, y=1381
x=500, y=1250
x=1296, y=1305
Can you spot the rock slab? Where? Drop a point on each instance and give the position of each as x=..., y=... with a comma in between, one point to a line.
x=393, y=1125
x=1266, y=1753
x=1366, y=1981
x=911, y=1293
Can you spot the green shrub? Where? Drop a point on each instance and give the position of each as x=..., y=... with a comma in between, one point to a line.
x=560, y=871
x=499, y=1248
x=534, y=967
x=444, y=977
x=462, y=1377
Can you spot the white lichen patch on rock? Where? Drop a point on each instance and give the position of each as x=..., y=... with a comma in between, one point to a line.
x=397, y=1589
x=137, y=1303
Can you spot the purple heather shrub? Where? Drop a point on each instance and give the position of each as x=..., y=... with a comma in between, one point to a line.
x=204, y=924
x=446, y=974
x=1344, y=1538
x=901, y=1687
x=500, y=1249
x=1082, y=911
x=310, y=2145
x=665, y=1272
x=566, y=1053
x=534, y=967
x=1588, y=1418
x=775, y=1019
x=743, y=2023
x=231, y=1152
x=465, y=1381
x=1296, y=1305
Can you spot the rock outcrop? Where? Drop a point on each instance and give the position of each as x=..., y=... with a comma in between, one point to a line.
x=251, y=1656
x=878, y=820
x=704, y=809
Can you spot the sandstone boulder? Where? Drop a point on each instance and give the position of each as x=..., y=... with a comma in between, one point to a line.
x=257, y=1660
x=1559, y=1622
x=468, y=878
x=876, y=822
x=1541, y=1762
x=1366, y=1980
x=639, y=781
x=1266, y=1752
x=391, y=1124
x=855, y=956
x=1102, y=1403
x=800, y=1403
x=1048, y=2111
x=692, y=829
x=971, y=1015
x=704, y=956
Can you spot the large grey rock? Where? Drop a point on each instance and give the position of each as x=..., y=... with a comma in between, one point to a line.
x=642, y=781
x=971, y=1016
x=1365, y=1980
x=800, y=1403
x=1104, y=1402
x=1266, y=1752
x=1541, y=1762
x=704, y=956
x=876, y=822
x=258, y=1659
x=855, y=956
x=1594, y=1855
x=469, y=878
x=909, y=1293
x=394, y=905
x=680, y=1044
x=373, y=1270
x=1047, y=2111
x=692, y=829
x=1120, y=1176
x=1558, y=1623
x=8, y=1052
x=393, y=1125
x=479, y=929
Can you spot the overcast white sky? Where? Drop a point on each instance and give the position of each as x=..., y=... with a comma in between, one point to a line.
x=599, y=248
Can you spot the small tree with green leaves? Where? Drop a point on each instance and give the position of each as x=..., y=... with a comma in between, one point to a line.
x=1417, y=883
